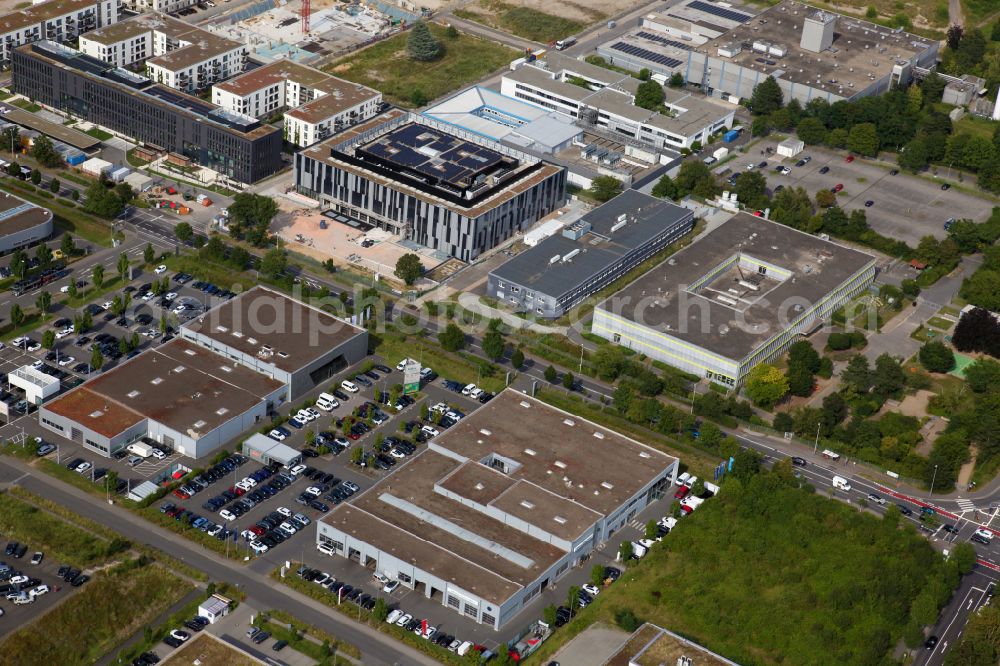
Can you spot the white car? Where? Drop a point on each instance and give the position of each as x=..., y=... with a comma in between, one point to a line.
x=83, y=467
x=440, y=407
x=226, y=514
x=313, y=412
x=298, y=469
x=287, y=528
x=305, y=416
x=107, y=305
x=784, y=171
x=284, y=511
x=402, y=364
x=23, y=599
x=157, y=453
x=64, y=289
x=37, y=365
x=259, y=547
x=39, y=591
x=179, y=309
x=476, y=392
x=160, y=269
x=171, y=296
x=405, y=620
x=314, y=491
x=66, y=360
x=326, y=549
x=469, y=388
x=301, y=519
x=592, y=590
x=148, y=296
x=390, y=587
x=213, y=530
x=350, y=387
x=393, y=616
x=248, y=535
x=17, y=580
x=433, y=432
x=277, y=435
x=63, y=332
x=34, y=346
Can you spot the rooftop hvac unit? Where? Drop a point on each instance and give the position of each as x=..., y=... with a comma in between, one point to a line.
x=569, y=255
x=623, y=217
x=726, y=300
x=749, y=285
x=554, y=259
x=617, y=226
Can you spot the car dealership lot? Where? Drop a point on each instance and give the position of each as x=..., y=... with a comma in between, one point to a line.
x=905, y=207
x=16, y=615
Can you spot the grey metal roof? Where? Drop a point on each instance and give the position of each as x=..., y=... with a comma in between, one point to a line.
x=599, y=248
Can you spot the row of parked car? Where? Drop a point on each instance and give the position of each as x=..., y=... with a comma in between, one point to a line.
x=322, y=482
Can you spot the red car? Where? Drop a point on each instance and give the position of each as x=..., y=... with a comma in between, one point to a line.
x=182, y=494
x=682, y=492
x=257, y=529
x=850, y=158
x=686, y=509
x=171, y=190
x=838, y=187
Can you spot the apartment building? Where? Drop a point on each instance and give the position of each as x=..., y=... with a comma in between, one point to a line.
x=316, y=104
x=176, y=54
x=57, y=20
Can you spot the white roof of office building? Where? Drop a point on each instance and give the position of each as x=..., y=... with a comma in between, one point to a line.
x=503, y=118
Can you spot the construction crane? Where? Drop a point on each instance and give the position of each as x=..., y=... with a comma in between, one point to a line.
x=306, y=10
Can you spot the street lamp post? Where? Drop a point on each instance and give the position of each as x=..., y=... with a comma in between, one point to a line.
x=816, y=445
x=933, y=479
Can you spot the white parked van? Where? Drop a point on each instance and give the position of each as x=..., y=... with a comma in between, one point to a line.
x=348, y=386
x=840, y=483
x=140, y=449
x=682, y=479
x=327, y=402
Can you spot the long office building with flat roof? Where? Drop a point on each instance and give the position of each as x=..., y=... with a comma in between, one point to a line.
x=430, y=182
x=735, y=298
x=499, y=507
x=566, y=268
x=237, y=146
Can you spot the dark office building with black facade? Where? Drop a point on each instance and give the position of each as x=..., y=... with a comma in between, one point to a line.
x=435, y=184
x=239, y=147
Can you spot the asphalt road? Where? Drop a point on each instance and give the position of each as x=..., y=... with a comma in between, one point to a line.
x=975, y=590
x=260, y=590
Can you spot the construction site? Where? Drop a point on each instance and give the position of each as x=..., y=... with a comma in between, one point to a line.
x=309, y=31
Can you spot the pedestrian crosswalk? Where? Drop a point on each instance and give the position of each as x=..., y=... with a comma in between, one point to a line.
x=965, y=505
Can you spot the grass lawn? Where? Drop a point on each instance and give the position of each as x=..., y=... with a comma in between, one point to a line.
x=98, y=133
x=133, y=160
x=27, y=105
x=946, y=310
x=114, y=605
x=386, y=67
x=525, y=21
x=939, y=323
x=394, y=347
x=974, y=125
x=210, y=651
x=59, y=539
x=766, y=573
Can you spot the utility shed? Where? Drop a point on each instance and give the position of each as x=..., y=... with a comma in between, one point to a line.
x=265, y=450
x=140, y=182
x=142, y=491
x=790, y=147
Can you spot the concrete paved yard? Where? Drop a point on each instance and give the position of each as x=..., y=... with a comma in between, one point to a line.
x=905, y=207
x=594, y=646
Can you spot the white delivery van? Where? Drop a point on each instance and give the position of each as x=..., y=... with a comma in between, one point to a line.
x=840, y=483
x=326, y=402
x=638, y=550
x=140, y=449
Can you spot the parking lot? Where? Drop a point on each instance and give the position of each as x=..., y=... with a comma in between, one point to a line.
x=45, y=585
x=904, y=206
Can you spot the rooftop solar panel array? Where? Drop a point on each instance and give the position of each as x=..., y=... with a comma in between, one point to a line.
x=663, y=40
x=646, y=54
x=723, y=12
x=436, y=155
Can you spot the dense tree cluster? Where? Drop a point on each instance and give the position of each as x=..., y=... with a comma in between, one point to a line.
x=978, y=331
x=982, y=288
x=250, y=217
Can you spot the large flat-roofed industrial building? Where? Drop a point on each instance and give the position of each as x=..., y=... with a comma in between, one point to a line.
x=22, y=223
x=812, y=53
x=560, y=272
x=226, y=373
x=241, y=148
x=429, y=182
x=297, y=344
x=179, y=394
x=735, y=298
x=499, y=507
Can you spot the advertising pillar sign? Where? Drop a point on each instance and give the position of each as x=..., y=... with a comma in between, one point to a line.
x=411, y=377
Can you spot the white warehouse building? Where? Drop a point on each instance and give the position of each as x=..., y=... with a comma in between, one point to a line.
x=500, y=507
x=735, y=298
